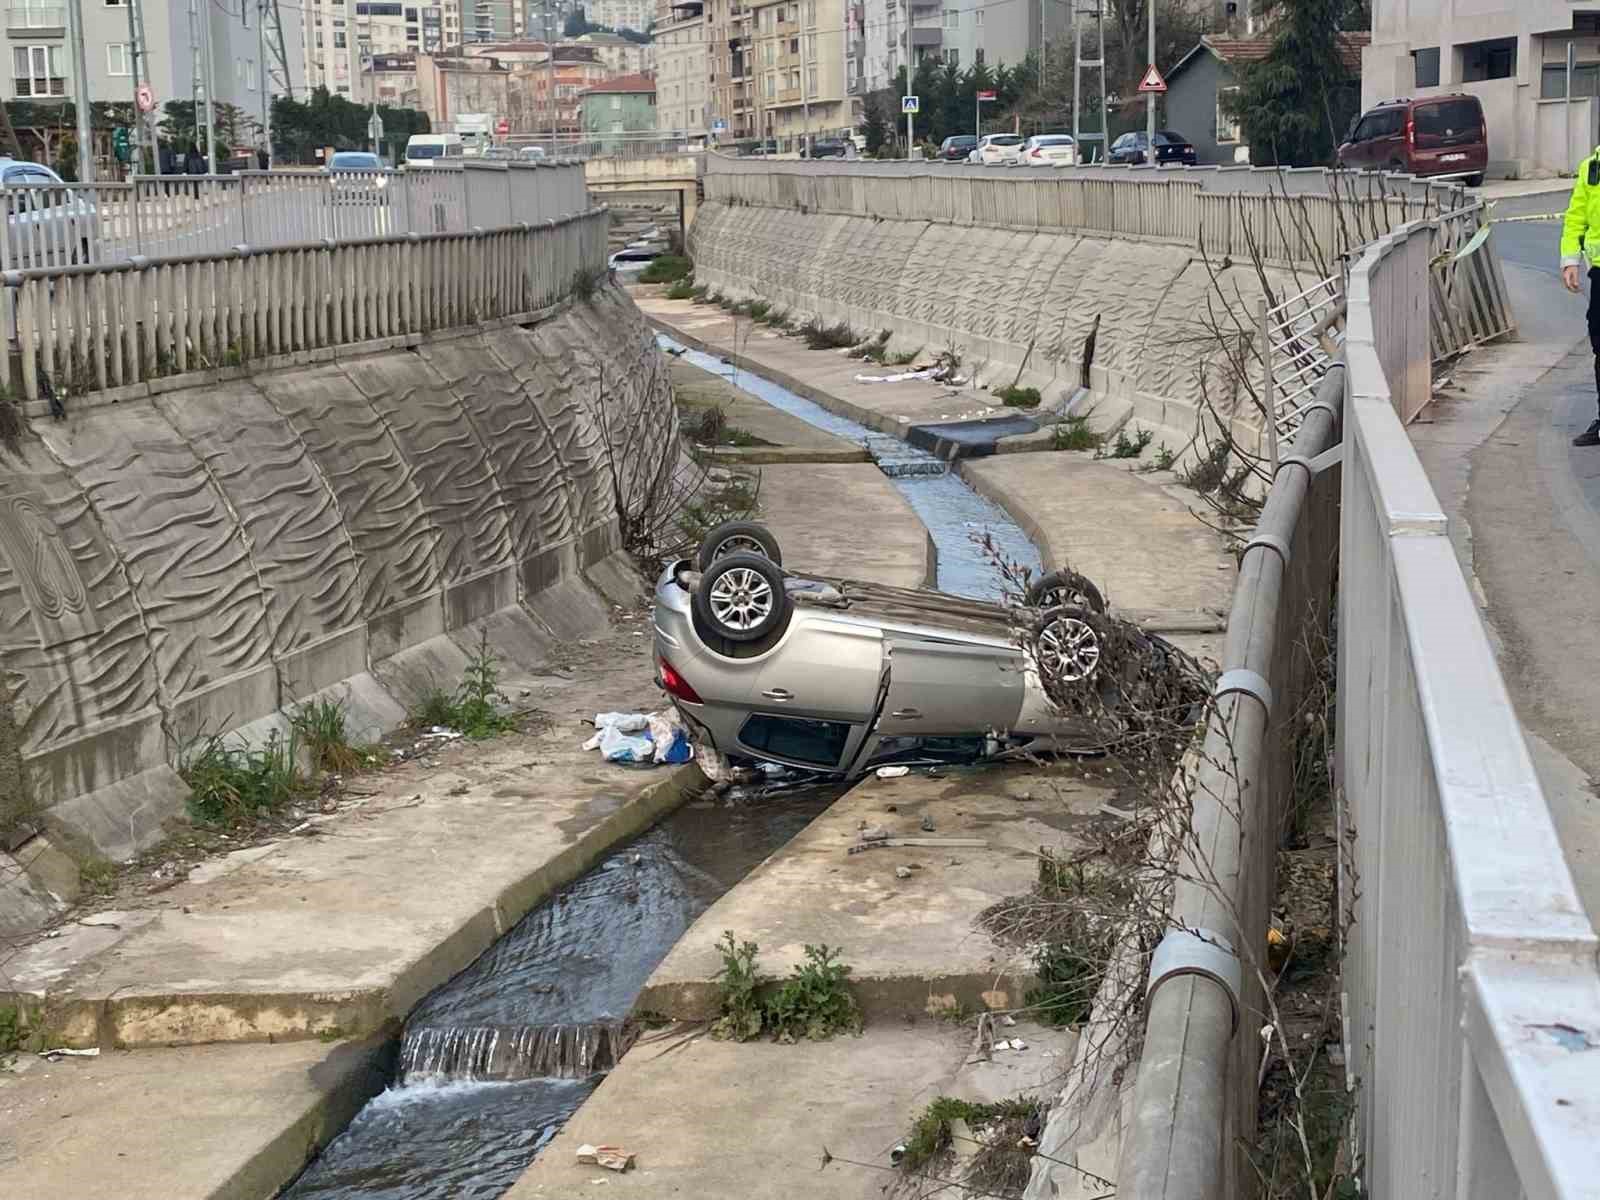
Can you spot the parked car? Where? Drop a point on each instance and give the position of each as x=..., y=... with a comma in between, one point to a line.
x=1171, y=147
x=47, y=224
x=1050, y=150
x=957, y=148
x=997, y=150
x=498, y=153
x=1441, y=137
x=827, y=148
x=531, y=154
x=358, y=177
x=839, y=677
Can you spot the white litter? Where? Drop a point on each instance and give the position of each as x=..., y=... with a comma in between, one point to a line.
x=900, y=378
x=1011, y=1044
x=892, y=772
x=65, y=1052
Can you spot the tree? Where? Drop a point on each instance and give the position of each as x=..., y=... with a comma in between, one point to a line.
x=1291, y=105
x=300, y=129
x=876, y=126
x=576, y=25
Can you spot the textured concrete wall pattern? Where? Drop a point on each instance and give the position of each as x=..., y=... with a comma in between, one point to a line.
x=202, y=561
x=1005, y=298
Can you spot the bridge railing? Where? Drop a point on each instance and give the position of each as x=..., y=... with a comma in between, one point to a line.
x=89, y=328
x=58, y=225
x=1472, y=993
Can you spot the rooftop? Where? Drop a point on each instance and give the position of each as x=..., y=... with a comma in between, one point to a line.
x=1249, y=50
x=633, y=84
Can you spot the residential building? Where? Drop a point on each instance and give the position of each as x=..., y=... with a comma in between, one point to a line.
x=962, y=33
x=450, y=85
x=682, y=72
x=42, y=63
x=1198, y=85
x=620, y=14
x=1512, y=56
x=492, y=20
x=621, y=56
x=732, y=104
x=800, y=63
x=617, y=110
x=390, y=79
x=576, y=69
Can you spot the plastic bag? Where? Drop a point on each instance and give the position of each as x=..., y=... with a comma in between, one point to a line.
x=619, y=747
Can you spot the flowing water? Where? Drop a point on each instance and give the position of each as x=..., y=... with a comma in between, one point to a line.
x=495, y=1060
x=955, y=515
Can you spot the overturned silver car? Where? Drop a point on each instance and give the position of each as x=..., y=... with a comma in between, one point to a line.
x=840, y=677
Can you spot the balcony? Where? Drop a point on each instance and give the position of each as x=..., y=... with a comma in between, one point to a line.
x=927, y=37
x=35, y=21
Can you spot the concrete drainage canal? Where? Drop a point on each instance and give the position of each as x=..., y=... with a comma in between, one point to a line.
x=493, y=1062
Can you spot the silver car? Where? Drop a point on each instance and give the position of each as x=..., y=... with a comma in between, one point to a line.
x=841, y=677
x=48, y=223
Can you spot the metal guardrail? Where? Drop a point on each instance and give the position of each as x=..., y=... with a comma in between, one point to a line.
x=93, y=327
x=1472, y=996
x=64, y=225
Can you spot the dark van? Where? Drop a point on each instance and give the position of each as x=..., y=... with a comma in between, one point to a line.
x=1438, y=136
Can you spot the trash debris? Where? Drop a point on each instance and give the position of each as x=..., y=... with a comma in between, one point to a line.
x=441, y=733
x=927, y=825
x=876, y=834
x=900, y=377
x=640, y=738
x=612, y=1158
x=897, y=1154
x=67, y=1052
x=1007, y=1019
x=892, y=772
x=1011, y=1044
x=902, y=872
x=870, y=841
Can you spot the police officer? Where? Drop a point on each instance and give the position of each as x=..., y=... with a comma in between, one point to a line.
x=1580, y=245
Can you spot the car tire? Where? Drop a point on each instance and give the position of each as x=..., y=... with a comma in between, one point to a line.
x=738, y=537
x=1070, y=645
x=1474, y=181
x=741, y=598
x=1061, y=589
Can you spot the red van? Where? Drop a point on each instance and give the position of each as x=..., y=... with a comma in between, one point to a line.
x=1442, y=137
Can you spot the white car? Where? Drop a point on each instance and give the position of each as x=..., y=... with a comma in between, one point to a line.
x=997, y=150
x=1050, y=150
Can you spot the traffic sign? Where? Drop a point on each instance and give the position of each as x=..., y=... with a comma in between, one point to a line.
x=1152, y=81
x=984, y=97
x=910, y=104
x=144, y=97
x=502, y=127
x=719, y=126
x=375, y=128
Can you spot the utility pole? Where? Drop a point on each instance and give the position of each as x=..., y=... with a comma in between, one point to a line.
x=1150, y=97
x=80, y=68
x=141, y=74
x=266, y=87
x=1079, y=66
x=211, y=112
x=550, y=67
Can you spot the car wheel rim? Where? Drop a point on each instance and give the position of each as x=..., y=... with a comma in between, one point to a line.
x=741, y=599
x=1069, y=649
x=739, y=543
x=1061, y=597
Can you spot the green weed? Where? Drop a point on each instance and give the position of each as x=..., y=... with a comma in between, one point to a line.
x=930, y=1133
x=583, y=285
x=1128, y=447
x=320, y=725
x=742, y=1016
x=229, y=785
x=682, y=290
x=667, y=268
x=1073, y=433
x=827, y=337
x=1164, y=458
x=97, y=876
x=1019, y=397
x=759, y=310
x=11, y=1029
x=700, y=293
x=473, y=708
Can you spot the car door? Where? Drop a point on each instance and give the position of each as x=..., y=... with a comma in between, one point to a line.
x=1353, y=153
x=1386, y=148
x=825, y=668
x=949, y=688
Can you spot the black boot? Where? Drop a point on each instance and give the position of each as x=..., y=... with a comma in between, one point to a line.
x=1590, y=436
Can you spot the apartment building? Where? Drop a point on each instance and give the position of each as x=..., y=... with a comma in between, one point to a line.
x=620, y=14
x=621, y=56
x=338, y=33
x=1513, y=57
x=731, y=105
x=42, y=66
x=799, y=57
x=963, y=33
x=682, y=72
x=449, y=85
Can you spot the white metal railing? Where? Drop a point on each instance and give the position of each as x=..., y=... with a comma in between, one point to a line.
x=87, y=328
x=51, y=225
x=1472, y=997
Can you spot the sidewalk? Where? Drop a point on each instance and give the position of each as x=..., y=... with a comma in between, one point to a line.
x=1524, y=510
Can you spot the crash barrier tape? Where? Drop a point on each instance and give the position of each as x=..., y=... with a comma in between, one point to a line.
x=88, y=328
x=1203, y=952
x=1194, y=1098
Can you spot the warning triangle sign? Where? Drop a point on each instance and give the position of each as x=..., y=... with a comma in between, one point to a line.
x=1152, y=81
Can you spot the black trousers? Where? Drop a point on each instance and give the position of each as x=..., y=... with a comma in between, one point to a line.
x=1594, y=323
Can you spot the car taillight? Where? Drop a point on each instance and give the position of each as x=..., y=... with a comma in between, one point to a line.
x=1034, y=153
x=677, y=685
x=1411, y=131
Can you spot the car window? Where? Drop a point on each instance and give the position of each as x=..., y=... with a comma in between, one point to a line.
x=1052, y=141
x=1385, y=124
x=424, y=151
x=16, y=174
x=820, y=743
x=1005, y=139
x=1168, y=137
x=1447, y=117
x=355, y=162
x=39, y=175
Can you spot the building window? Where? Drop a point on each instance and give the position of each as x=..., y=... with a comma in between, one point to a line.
x=39, y=71
x=340, y=41
x=794, y=81
x=772, y=85
x=769, y=50
x=977, y=17
x=250, y=74
x=117, y=58
x=977, y=55
x=1493, y=59
x=1427, y=66
x=794, y=45
x=1585, y=81
x=952, y=18
x=952, y=57
x=1227, y=126
x=115, y=3
x=616, y=104
x=811, y=14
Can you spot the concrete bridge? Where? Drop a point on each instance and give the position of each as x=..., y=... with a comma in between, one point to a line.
x=662, y=176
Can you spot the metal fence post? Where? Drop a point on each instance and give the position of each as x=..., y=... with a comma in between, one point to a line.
x=1269, y=399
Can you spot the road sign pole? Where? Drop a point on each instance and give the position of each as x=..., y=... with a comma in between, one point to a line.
x=81, y=92
x=1150, y=97
x=910, y=135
